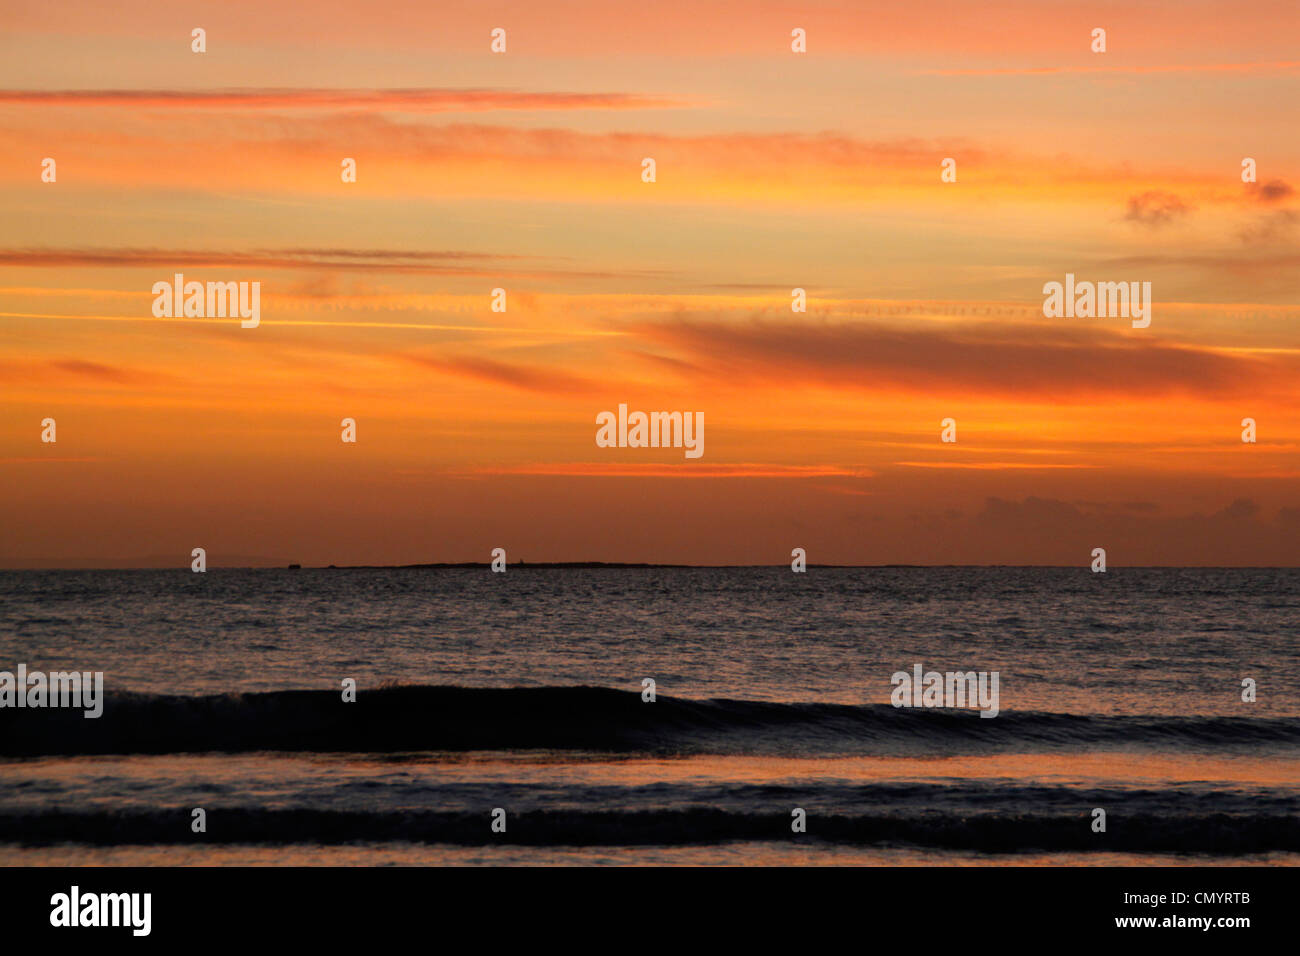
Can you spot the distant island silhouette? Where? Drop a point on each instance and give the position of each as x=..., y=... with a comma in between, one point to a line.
x=512, y=564
x=579, y=565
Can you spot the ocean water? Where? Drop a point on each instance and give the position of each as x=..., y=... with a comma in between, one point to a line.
x=522, y=691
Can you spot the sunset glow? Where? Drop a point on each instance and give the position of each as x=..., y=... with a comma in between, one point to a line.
x=774, y=172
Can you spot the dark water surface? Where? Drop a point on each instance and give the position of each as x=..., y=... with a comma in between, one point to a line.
x=521, y=690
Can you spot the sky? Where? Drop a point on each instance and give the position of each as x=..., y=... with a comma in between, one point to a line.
x=774, y=170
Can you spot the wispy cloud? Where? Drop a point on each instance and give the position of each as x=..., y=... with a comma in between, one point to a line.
x=525, y=377
x=72, y=372
x=1275, y=190
x=990, y=465
x=989, y=360
x=1271, y=66
x=406, y=262
x=1155, y=208
x=670, y=470
x=1280, y=225
x=426, y=100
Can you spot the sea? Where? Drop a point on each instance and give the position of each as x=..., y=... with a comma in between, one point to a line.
x=1145, y=716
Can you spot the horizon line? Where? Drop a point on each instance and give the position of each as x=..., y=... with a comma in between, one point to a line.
x=647, y=565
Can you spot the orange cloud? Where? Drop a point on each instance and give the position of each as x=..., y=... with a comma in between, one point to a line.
x=400, y=262
x=398, y=100
x=620, y=469
x=530, y=379
x=1273, y=66
x=1030, y=362
x=296, y=154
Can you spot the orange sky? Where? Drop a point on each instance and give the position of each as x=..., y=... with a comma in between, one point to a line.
x=775, y=170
